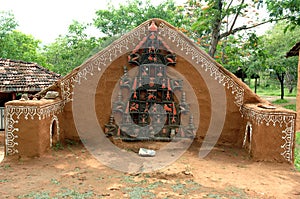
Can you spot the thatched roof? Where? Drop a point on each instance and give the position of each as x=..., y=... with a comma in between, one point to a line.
x=20, y=76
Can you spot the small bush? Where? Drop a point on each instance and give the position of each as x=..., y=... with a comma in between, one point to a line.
x=58, y=146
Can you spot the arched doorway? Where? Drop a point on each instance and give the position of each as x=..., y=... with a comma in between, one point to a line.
x=54, y=131
x=248, y=137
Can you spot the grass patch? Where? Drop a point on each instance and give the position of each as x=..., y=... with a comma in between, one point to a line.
x=212, y=195
x=236, y=191
x=270, y=88
x=290, y=106
x=64, y=193
x=36, y=195
x=70, y=193
x=3, y=180
x=54, y=181
x=139, y=192
x=274, y=92
x=58, y=146
x=7, y=166
x=280, y=101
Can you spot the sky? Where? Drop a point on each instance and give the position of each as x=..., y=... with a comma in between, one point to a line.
x=47, y=19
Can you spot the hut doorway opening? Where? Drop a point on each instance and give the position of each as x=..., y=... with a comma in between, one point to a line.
x=54, y=132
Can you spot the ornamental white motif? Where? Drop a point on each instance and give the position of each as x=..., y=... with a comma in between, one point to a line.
x=284, y=119
x=185, y=45
x=128, y=42
x=101, y=61
x=10, y=132
x=13, y=114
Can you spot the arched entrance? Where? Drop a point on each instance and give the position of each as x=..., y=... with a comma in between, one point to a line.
x=248, y=137
x=54, y=131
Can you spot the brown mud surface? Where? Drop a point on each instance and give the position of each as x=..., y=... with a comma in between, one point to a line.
x=72, y=172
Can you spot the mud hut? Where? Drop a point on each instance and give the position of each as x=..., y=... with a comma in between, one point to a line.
x=221, y=108
x=19, y=77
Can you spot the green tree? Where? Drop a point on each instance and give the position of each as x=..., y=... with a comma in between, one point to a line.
x=8, y=23
x=242, y=55
x=17, y=45
x=71, y=50
x=287, y=9
x=119, y=20
x=277, y=44
x=214, y=20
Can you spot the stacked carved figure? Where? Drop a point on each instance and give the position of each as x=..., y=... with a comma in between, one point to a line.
x=152, y=110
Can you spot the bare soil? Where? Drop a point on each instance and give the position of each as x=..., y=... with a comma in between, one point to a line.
x=74, y=173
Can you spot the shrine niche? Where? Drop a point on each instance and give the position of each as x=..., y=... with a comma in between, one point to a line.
x=153, y=76
x=152, y=101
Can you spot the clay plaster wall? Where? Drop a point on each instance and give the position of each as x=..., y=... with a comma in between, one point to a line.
x=271, y=131
x=196, y=66
x=29, y=125
x=185, y=66
x=231, y=130
x=201, y=72
x=103, y=99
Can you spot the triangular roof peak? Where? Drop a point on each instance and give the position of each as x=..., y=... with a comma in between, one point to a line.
x=173, y=40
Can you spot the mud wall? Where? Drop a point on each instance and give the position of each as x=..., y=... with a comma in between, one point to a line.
x=197, y=74
x=111, y=77
x=33, y=126
x=231, y=132
x=201, y=72
x=269, y=133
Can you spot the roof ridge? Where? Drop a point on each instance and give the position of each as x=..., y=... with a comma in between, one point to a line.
x=5, y=60
x=11, y=62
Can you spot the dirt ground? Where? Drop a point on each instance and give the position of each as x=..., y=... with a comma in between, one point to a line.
x=72, y=172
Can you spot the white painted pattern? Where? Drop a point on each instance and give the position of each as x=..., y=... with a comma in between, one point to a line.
x=101, y=61
x=13, y=114
x=248, y=126
x=284, y=120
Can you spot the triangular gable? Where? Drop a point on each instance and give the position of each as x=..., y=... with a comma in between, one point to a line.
x=213, y=73
x=99, y=62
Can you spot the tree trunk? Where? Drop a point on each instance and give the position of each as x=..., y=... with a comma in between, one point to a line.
x=282, y=90
x=290, y=79
x=280, y=77
x=216, y=28
x=255, y=85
